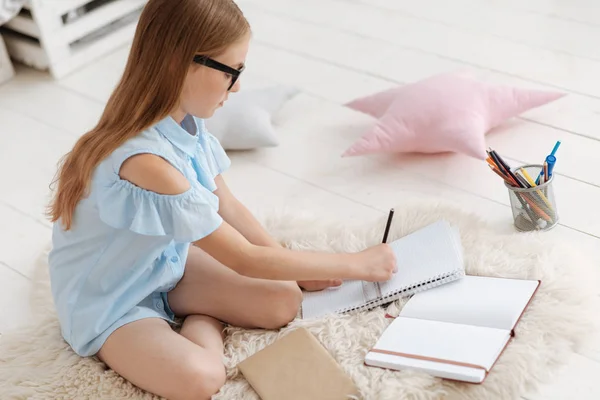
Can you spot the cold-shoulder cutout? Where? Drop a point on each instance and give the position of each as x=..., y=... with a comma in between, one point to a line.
x=148, y=194
x=154, y=173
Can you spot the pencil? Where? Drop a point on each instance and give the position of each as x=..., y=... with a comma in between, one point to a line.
x=501, y=175
x=532, y=183
x=388, y=225
x=505, y=166
x=506, y=178
x=385, y=236
x=509, y=180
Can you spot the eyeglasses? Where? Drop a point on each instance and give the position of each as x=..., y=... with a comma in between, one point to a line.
x=209, y=62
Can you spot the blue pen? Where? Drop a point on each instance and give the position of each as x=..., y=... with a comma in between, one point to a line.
x=550, y=160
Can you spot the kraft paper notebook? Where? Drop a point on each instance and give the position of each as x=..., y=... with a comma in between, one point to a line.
x=426, y=258
x=297, y=367
x=456, y=331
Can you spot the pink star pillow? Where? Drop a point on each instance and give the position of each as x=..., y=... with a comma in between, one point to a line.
x=445, y=113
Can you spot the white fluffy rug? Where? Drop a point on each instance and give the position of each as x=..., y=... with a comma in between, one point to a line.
x=35, y=363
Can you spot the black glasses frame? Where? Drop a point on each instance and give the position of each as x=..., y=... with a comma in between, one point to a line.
x=210, y=63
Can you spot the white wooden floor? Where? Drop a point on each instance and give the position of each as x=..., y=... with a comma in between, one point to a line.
x=336, y=50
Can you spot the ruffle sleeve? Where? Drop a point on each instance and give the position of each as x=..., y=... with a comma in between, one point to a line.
x=186, y=217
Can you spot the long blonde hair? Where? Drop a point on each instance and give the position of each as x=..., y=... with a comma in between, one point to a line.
x=169, y=33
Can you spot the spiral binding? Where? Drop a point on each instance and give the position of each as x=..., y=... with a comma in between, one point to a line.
x=437, y=280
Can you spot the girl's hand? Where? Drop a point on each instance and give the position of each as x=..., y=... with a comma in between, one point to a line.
x=375, y=264
x=313, y=286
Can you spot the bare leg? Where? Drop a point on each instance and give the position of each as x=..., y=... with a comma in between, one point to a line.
x=210, y=288
x=205, y=331
x=149, y=354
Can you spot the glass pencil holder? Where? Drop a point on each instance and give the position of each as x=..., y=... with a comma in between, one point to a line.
x=533, y=208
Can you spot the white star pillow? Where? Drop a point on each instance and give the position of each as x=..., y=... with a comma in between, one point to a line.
x=245, y=121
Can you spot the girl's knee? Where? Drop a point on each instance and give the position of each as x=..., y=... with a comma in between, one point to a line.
x=285, y=301
x=201, y=378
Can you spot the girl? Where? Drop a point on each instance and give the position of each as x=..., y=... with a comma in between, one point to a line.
x=143, y=186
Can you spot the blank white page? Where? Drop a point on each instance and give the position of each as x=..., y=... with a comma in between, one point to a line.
x=423, y=255
x=474, y=300
x=426, y=254
x=440, y=340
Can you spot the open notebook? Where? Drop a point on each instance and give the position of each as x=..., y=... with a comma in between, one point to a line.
x=457, y=331
x=426, y=258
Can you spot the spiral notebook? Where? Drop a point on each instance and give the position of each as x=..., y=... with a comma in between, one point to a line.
x=426, y=258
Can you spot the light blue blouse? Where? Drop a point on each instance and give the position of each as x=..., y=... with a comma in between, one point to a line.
x=128, y=246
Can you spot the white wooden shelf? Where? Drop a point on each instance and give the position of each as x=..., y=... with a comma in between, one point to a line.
x=6, y=69
x=63, y=35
